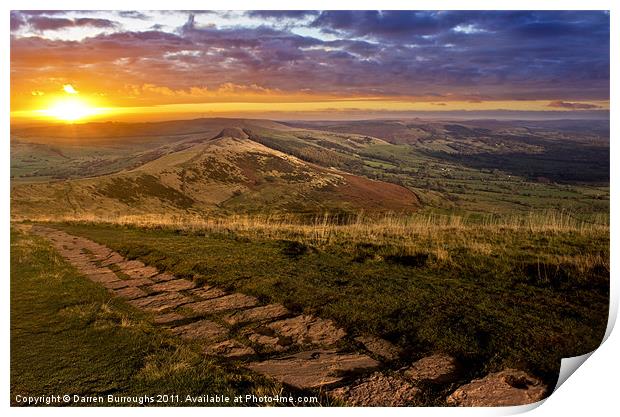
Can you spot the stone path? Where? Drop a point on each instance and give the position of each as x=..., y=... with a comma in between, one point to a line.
x=302, y=351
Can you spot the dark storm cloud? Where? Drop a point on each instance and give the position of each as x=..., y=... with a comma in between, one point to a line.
x=558, y=56
x=529, y=52
x=379, y=24
x=415, y=25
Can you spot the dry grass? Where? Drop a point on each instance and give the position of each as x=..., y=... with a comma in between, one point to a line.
x=157, y=367
x=389, y=229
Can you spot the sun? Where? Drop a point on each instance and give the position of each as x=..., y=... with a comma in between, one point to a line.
x=71, y=109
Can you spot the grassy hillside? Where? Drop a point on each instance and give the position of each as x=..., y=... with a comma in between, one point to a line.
x=66, y=151
x=447, y=167
x=226, y=173
x=485, y=165
x=497, y=294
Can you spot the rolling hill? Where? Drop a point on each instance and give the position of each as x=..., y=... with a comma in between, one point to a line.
x=258, y=166
x=67, y=151
x=229, y=172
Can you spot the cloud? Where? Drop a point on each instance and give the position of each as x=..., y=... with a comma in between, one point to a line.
x=562, y=57
x=573, y=106
x=17, y=21
x=41, y=23
x=69, y=89
x=380, y=24
x=281, y=14
x=133, y=14
x=96, y=23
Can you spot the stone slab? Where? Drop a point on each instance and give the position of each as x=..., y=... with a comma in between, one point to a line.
x=378, y=390
x=229, y=348
x=438, y=369
x=379, y=347
x=163, y=277
x=145, y=272
x=266, y=342
x=89, y=269
x=161, y=302
x=130, y=293
x=125, y=265
x=115, y=285
x=306, y=329
x=100, y=254
x=113, y=259
x=313, y=369
x=207, y=292
x=227, y=302
x=506, y=388
x=103, y=277
x=137, y=282
x=203, y=329
x=268, y=312
x=172, y=285
x=168, y=318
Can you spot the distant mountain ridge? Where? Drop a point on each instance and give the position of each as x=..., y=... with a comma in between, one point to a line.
x=99, y=130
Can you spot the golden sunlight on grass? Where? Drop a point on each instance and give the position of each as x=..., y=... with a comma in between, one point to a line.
x=399, y=230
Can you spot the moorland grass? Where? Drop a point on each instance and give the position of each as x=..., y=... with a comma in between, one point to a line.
x=495, y=295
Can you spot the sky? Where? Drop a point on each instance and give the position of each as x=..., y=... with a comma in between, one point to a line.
x=155, y=65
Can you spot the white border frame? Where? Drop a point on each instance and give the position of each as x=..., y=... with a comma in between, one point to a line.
x=591, y=390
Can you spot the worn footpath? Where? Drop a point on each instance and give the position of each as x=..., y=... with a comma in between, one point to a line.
x=302, y=351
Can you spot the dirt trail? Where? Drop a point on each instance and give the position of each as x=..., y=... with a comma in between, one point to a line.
x=302, y=351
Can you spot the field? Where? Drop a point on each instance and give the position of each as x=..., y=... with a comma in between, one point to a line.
x=548, y=286
x=487, y=241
